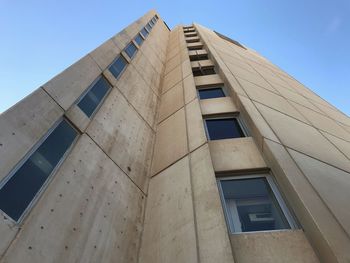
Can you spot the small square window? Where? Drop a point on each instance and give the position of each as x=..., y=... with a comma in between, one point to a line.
x=138, y=39
x=223, y=128
x=211, y=93
x=253, y=203
x=144, y=32
x=130, y=50
x=118, y=66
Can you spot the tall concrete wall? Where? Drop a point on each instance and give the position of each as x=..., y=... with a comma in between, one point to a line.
x=140, y=183
x=93, y=207
x=303, y=139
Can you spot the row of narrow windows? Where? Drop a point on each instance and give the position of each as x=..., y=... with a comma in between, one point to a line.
x=251, y=202
x=21, y=187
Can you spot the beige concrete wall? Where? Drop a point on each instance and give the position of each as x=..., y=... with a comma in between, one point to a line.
x=303, y=139
x=93, y=208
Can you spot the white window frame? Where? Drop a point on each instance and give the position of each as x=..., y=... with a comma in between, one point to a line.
x=234, y=222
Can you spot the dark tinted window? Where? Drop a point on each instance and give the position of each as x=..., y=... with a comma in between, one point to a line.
x=151, y=23
x=138, y=39
x=198, y=57
x=118, y=66
x=148, y=27
x=92, y=99
x=203, y=71
x=252, y=206
x=223, y=128
x=211, y=93
x=195, y=48
x=156, y=17
x=154, y=20
x=131, y=49
x=21, y=188
x=144, y=32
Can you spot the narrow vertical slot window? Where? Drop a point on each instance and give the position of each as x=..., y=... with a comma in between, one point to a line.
x=19, y=191
x=118, y=66
x=144, y=32
x=138, y=39
x=93, y=98
x=130, y=50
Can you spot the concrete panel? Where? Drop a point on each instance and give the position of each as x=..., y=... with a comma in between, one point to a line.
x=322, y=122
x=78, y=117
x=343, y=146
x=78, y=218
x=235, y=154
x=217, y=106
x=189, y=89
x=270, y=99
x=172, y=63
x=171, y=141
x=202, y=63
x=304, y=138
x=105, y=54
x=273, y=247
x=169, y=230
x=331, y=184
x=23, y=125
x=213, y=241
x=8, y=232
x=138, y=94
x=172, y=78
x=124, y=136
x=208, y=80
x=67, y=86
x=186, y=67
x=258, y=127
x=324, y=232
x=195, y=128
x=146, y=71
x=171, y=101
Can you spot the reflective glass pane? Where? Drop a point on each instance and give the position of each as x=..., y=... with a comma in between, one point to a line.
x=252, y=206
x=223, y=128
x=131, y=50
x=21, y=188
x=92, y=99
x=138, y=39
x=211, y=93
x=144, y=32
x=118, y=66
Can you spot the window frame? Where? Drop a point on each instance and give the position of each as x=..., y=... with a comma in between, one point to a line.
x=139, y=35
x=121, y=72
x=136, y=49
x=212, y=87
x=101, y=101
x=225, y=116
x=290, y=218
x=49, y=178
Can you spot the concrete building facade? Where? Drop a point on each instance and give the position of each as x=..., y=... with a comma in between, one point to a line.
x=174, y=145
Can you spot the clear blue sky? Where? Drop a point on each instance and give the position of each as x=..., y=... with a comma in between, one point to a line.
x=310, y=39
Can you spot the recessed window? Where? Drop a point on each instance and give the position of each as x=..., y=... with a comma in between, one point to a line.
x=18, y=192
x=148, y=27
x=118, y=66
x=200, y=47
x=154, y=20
x=253, y=203
x=156, y=17
x=130, y=49
x=203, y=71
x=144, y=32
x=199, y=57
x=211, y=93
x=151, y=23
x=138, y=39
x=92, y=99
x=223, y=128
